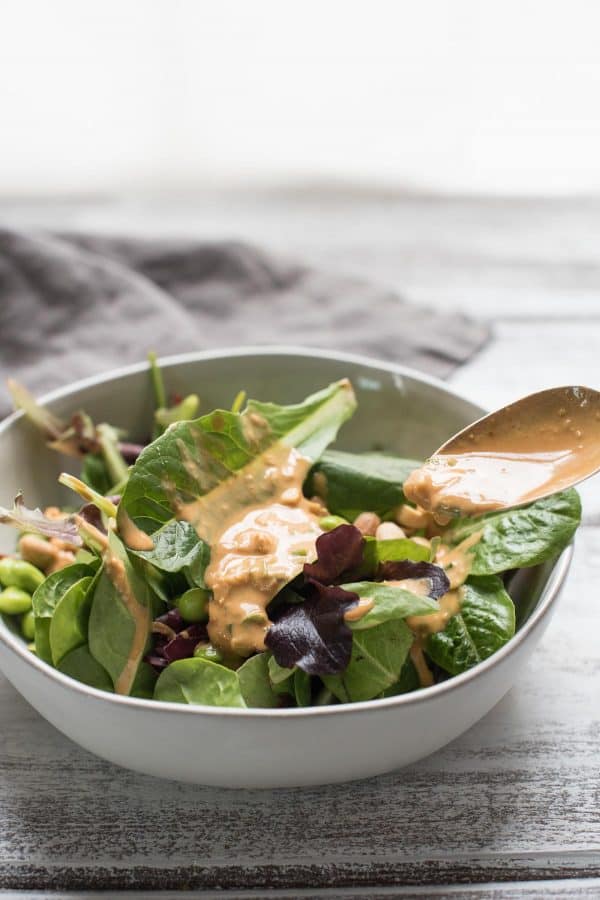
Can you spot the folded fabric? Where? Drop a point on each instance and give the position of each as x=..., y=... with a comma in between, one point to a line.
x=75, y=305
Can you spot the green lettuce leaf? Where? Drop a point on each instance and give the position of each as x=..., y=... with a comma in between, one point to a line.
x=378, y=655
x=389, y=603
x=351, y=483
x=516, y=538
x=199, y=681
x=485, y=623
x=408, y=681
x=377, y=552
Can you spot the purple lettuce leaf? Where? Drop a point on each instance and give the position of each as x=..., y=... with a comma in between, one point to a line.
x=406, y=568
x=167, y=649
x=313, y=635
x=34, y=520
x=182, y=646
x=338, y=551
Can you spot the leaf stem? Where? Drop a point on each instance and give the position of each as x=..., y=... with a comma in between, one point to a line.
x=89, y=494
x=160, y=396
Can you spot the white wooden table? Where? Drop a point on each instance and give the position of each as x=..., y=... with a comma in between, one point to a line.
x=512, y=808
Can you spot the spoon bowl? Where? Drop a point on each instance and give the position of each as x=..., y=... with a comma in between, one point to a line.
x=543, y=443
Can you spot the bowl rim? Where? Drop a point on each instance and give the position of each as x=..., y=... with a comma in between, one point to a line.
x=548, y=597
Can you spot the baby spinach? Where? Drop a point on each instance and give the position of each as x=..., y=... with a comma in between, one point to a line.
x=516, y=538
x=177, y=548
x=81, y=665
x=123, y=608
x=378, y=655
x=485, y=623
x=198, y=681
x=389, y=602
x=68, y=626
x=191, y=459
x=47, y=597
x=350, y=483
x=255, y=683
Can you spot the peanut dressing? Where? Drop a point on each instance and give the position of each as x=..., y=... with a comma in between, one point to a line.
x=537, y=446
x=261, y=531
x=142, y=618
x=133, y=537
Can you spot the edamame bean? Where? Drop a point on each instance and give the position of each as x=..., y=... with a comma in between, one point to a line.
x=328, y=523
x=14, y=601
x=20, y=574
x=28, y=625
x=193, y=605
x=207, y=651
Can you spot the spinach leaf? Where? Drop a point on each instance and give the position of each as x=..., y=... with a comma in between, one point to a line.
x=255, y=683
x=81, y=665
x=278, y=675
x=45, y=600
x=302, y=688
x=378, y=656
x=485, y=623
x=389, y=603
x=351, y=483
x=121, y=617
x=408, y=681
x=177, y=548
x=144, y=682
x=191, y=459
x=68, y=626
x=516, y=538
x=199, y=681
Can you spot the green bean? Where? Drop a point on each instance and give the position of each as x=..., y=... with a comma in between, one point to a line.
x=28, y=625
x=193, y=605
x=14, y=601
x=20, y=574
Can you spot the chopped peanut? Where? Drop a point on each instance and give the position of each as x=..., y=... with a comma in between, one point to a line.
x=411, y=517
x=367, y=523
x=389, y=531
x=37, y=551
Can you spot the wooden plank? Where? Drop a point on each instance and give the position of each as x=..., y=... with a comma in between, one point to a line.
x=517, y=796
x=573, y=889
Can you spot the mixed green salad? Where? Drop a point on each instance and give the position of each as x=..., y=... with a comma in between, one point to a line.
x=232, y=559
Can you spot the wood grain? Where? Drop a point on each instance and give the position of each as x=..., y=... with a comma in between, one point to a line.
x=512, y=808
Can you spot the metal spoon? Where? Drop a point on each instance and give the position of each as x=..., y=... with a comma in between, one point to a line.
x=543, y=443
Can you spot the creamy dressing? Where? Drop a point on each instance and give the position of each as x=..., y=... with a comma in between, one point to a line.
x=534, y=447
x=133, y=537
x=141, y=616
x=256, y=548
x=457, y=562
x=420, y=663
x=360, y=609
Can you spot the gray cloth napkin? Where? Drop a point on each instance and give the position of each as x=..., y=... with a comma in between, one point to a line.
x=75, y=305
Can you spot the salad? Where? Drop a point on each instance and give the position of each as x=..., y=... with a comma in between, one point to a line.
x=233, y=559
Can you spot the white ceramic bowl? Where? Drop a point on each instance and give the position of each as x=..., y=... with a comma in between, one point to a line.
x=399, y=410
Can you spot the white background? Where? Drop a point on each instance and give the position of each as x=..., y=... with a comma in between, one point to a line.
x=174, y=95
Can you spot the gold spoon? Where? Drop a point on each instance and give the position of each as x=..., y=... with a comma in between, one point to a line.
x=543, y=443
